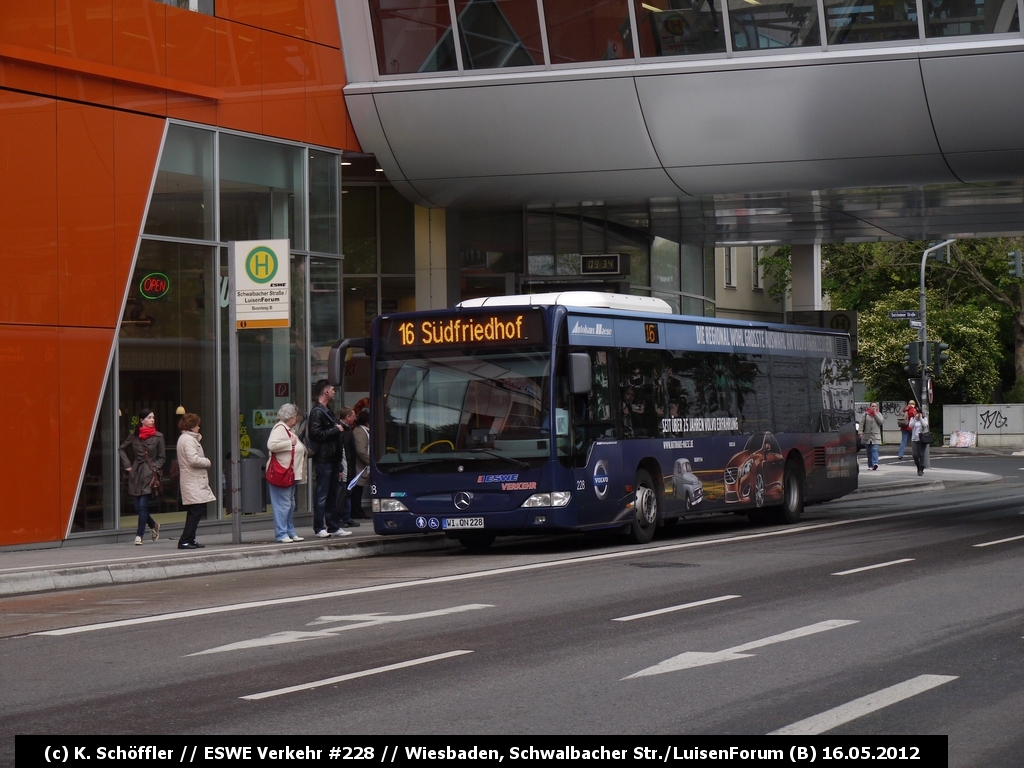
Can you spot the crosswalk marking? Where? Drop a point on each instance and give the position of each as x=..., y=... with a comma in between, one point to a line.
x=1000, y=541
x=352, y=676
x=361, y=620
x=670, y=609
x=865, y=705
x=872, y=567
x=692, y=659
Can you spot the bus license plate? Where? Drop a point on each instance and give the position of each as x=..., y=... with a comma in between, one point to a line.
x=450, y=523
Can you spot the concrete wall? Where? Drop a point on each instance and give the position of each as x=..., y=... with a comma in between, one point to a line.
x=995, y=425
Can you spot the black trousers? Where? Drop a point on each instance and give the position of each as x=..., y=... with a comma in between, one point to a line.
x=193, y=514
x=918, y=448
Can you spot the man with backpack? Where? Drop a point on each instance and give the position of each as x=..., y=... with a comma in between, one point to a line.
x=324, y=438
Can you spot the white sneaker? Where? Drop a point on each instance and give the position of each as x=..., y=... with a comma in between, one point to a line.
x=341, y=532
x=297, y=538
x=285, y=540
x=138, y=541
x=323, y=534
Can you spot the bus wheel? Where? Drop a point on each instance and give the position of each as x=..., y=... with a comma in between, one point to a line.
x=477, y=541
x=645, y=507
x=792, y=494
x=759, y=491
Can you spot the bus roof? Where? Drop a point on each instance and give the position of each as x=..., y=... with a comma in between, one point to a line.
x=580, y=299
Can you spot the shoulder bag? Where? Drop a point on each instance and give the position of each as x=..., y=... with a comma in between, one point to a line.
x=277, y=474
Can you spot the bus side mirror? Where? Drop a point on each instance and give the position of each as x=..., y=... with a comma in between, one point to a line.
x=337, y=358
x=580, y=374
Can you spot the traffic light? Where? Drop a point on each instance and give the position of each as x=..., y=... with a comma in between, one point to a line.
x=912, y=359
x=1013, y=261
x=939, y=356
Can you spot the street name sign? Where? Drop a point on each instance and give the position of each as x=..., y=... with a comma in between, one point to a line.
x=904, y=314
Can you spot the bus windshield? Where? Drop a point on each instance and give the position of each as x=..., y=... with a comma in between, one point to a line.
x=457, y=405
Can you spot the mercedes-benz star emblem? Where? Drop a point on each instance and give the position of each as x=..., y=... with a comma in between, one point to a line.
x=462, y=499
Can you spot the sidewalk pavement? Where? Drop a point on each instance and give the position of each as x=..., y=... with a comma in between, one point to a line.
x=68, y=567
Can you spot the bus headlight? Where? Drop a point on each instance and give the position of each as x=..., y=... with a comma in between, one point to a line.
x=387, y=505
x=554, y=499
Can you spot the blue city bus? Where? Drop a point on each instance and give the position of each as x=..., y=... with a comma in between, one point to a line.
x=586, y=411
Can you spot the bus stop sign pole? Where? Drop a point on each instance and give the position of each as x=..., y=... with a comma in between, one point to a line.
x=236, y=450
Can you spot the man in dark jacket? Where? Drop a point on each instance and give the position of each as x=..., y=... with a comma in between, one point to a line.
x=324, y=433
x=348, y=420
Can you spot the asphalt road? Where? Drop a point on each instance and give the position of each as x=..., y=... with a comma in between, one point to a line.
x=903, y=615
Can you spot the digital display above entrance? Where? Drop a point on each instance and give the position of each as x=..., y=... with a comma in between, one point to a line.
x=604, y=264
x=154, y=285
x=468, y=330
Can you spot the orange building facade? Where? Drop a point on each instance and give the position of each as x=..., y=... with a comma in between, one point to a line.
x=93, y=93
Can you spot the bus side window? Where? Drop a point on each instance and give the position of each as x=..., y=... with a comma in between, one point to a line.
x=592, y=414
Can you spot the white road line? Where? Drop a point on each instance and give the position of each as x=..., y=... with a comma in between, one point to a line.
x=1000, y=541
x=362, y=621
x=865, y=705
x=352, y=676
x=691, y=659
x=872, y=567
x=676, y=608
x=618, y=554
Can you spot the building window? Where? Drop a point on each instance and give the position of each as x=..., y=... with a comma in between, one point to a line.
x=730, y=268
x=757, y=273
x=199, y=6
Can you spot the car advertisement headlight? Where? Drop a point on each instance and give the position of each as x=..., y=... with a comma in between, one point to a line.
x=388, y=505
x=747, y=466
x=555, y=499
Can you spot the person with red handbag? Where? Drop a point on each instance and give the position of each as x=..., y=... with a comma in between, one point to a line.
x=194, y=479
x=285, y=468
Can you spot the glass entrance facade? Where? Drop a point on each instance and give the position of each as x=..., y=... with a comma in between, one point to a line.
x=171, y=355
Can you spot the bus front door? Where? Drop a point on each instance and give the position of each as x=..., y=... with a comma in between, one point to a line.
x=600, y=486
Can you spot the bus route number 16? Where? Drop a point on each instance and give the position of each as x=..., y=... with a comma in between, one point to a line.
x=408, y=334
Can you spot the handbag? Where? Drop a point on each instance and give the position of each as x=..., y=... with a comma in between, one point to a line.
x=277, y=474
x=902, y=422
x=926, y=438
x=155, y=487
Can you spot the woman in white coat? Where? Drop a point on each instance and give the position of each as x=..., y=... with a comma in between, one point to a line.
x=289, y=452
x=194, y=479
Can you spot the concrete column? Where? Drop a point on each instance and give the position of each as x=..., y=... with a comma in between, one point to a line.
x=806, y=292
x=431, y=259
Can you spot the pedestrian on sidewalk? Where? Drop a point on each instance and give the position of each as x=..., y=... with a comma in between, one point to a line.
x=194, y=479
x=871, y=433
x=289, y=452
x=919, y=439
x=324, y=434
x=148, y=457
x=361, y=436
x=903, y=422
x=348, y=467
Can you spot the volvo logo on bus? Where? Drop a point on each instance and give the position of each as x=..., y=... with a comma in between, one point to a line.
x=601, y=479
x=462, y=500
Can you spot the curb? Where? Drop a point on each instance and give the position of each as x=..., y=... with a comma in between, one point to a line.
x=894, y=489
x=76, y=577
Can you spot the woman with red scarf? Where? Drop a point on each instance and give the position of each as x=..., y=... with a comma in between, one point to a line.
x=148, y=459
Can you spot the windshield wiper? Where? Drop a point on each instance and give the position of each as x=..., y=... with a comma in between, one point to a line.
x=403, y=465
x=517, y=462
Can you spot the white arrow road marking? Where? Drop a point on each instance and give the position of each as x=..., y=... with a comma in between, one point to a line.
x=872, y=567
x=1000, y=541
x=352, y=676
x=363, y=620
x=865, y=705
x=670, y=609
x=692, y=659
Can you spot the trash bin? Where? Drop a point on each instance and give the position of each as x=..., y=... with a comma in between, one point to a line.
x=253, y=494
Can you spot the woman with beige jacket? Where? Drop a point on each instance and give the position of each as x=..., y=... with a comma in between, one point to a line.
x=193, y=479
x=289, y=452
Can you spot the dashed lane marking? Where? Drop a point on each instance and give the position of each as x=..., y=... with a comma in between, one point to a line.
x=692, y=659
x=670, y=609
x=352, y=676
x=865, y=705
x=583, y=560
x=872, y=567
x=1000, y=541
